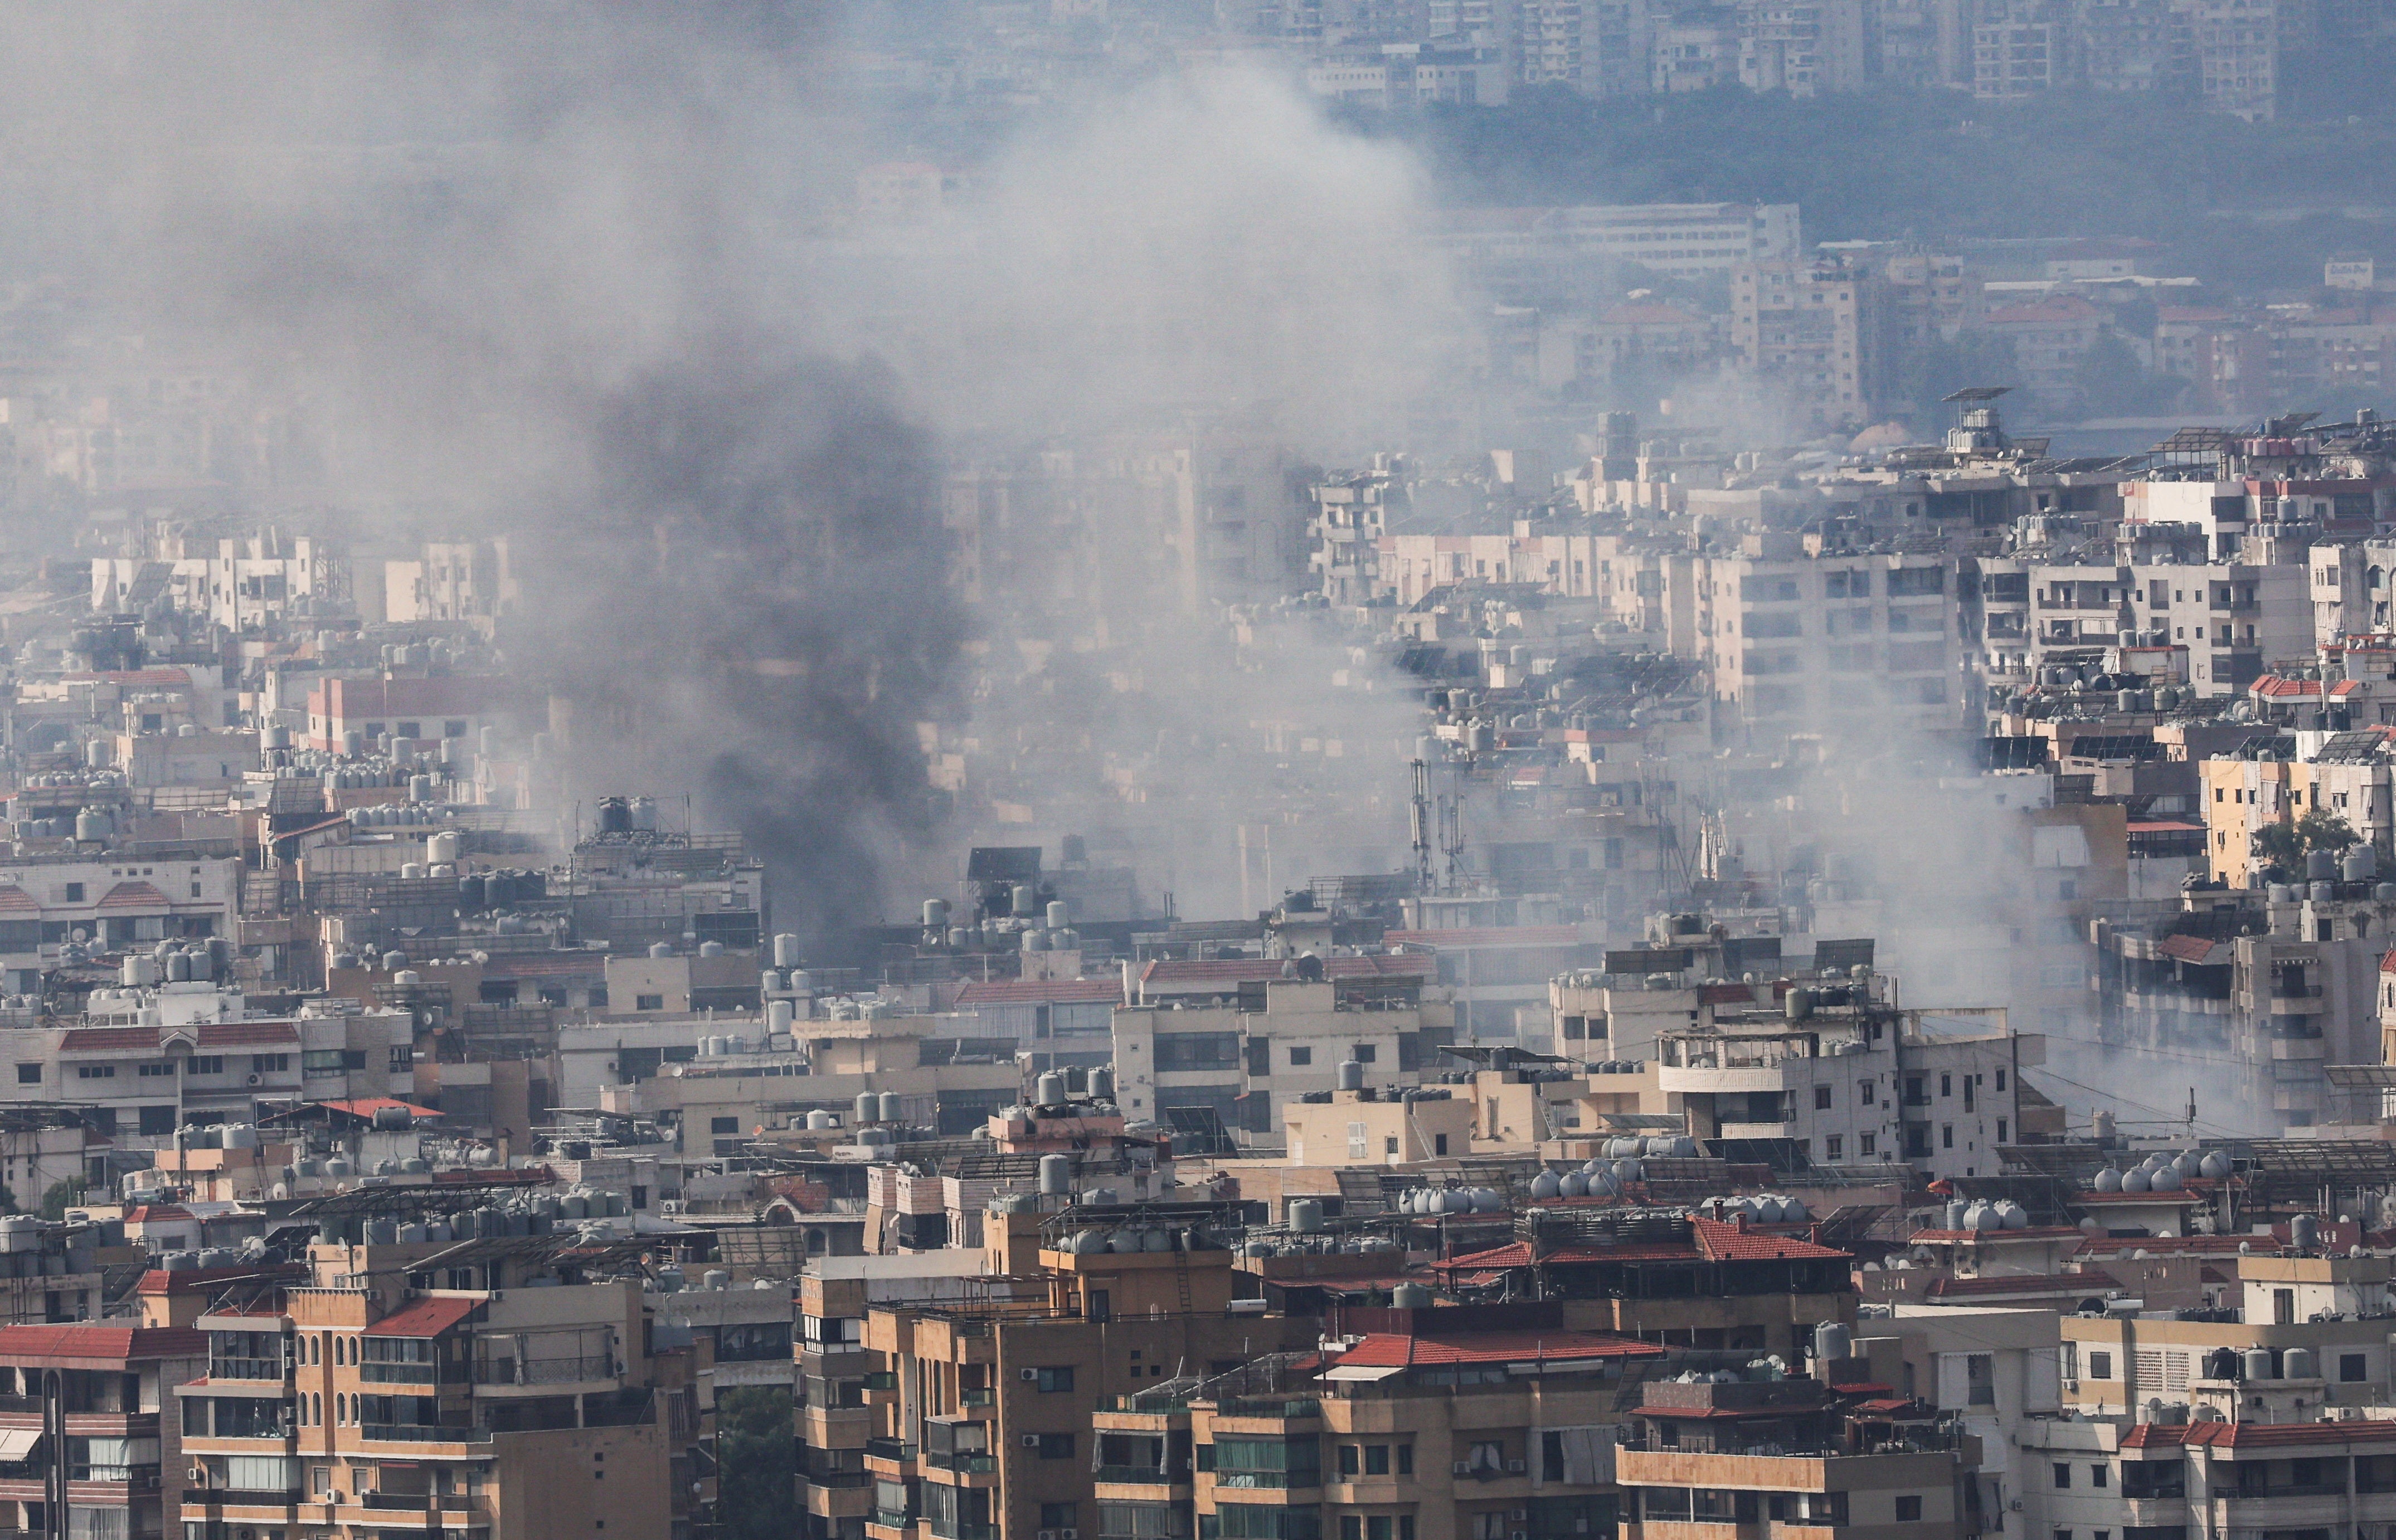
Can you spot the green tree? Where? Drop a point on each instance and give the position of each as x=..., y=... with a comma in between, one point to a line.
x=2325, y=831
x=62, y=1194
x=757, y=1463
x=2111, y=382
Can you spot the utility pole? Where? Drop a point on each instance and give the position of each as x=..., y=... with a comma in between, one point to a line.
x=1420, y=810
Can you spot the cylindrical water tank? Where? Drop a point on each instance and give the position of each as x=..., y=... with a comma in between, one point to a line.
x=2304, y=1232
x=2011, y=1215
x=1058, y=914
x=2359, y=864
x=1048, y=1090
x=1546, y=1185
x=2296, y=1364
x=868, y=1105
x=1955, y=1208
x=710, y=948
x=2256, y=1363
x=935, y=914
x=1829, y=1341
x=2321, y=866
x=1574, y=1184
x=887, y=1107
x=1410, y=1296
x=786, y=950
x=820, y=1120
x=1023, y=901
x=778, y=1017
x=1626, y=1170
x=1102, y=1084
x=2215, y=1165
x=1055, y=1174
x=1305, y=1215
x=1351, y=1075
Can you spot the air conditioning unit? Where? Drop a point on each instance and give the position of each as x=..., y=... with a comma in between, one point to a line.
x=1027, y=1374
x=1520, y=1516
x=1518, y=1534
x=2072, y=1386
x=1515, y=1467
x=258, y=1079
x=1068, y=1534
x=1032, y=1441
x=1464, y=1468
x=1047, y=1535
x=2014, y=1504
x=198, y=1476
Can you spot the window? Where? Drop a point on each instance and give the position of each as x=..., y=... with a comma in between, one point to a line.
x=1365, y=1052
x=1822, y=1098
x=1946, y=1136
x=1300, y=1058
x=649, y=1003
x=29, y=1074
x=411, y=729
x=1351, y=1527
x=1946, y=1086
x=2101, y=1365
x=1380, y=1527
x=205, y=1064
x=1909, y=1510
x=2096, y=1477
x=2349, y=1369
x=1833, y=1146
x=270, y=1064
x=724, y=1125
x=2062, y=1477
x=1059, y=1378
x=159, y=1119
x=1405, y=1459
x=74, y=893
x=1056, y=1446
x=1867, y=1145
x=94, y=1071
x=1377, y=1459
x=1351, y=1459
x=156, y=1071
x=403, y=1057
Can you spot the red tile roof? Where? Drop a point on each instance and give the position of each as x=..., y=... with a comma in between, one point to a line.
x=1518, y=1255
x=2152, y=1435
x=1040, y=991
x=156, y=1214
x=99, y=1343
x=1384, y=1351
x=2273, y=687
x=366, y=1106
x=134, y=894
x=2224, y=1435
x=425, y=1317
x=211, y=1034
x=15, y=900
x=2188, y=948
x=1722, y=1241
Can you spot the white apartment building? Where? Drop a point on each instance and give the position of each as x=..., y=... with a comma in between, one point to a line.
x=1794, y=639
x=146, y=1062
x=119, y=903
x=1678, y=240
x=2236, y=620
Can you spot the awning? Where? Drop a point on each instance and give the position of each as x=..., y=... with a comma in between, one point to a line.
x=17, y=1442
x=1364, y=1372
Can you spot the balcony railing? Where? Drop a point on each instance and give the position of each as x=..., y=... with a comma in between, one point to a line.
x=889, y=1449
x=963, y=1465
x=400, y=1373
x=245, y=1368
x=544, y=1371
x=837, y=1481
x=890, y=1518
x=1149, y=1475
x=1244, y=1406
x=244, y=1496
x=424, y=1433
x=419, y=1502
x=978, y=1398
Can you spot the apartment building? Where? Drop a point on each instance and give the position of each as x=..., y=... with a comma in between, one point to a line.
x=1678, y=240
x=2306, y=1339
x=1814, y=330
x=243, y=583
x=1796, y=1453
x=1667, y=1276
x=2235, y=619
x=90, y=1443
x=148, y=1062
x=416, y=714
x=1269, y=1040
x=979, y=1409
x=484, y=1384
x=117, y=903
x=1794, y=638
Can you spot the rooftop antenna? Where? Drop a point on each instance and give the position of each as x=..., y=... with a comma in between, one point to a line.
x=2191, y=1111
x=1421, y=814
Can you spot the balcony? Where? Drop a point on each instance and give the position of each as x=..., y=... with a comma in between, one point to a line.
x=1176, y=1474
x=507, y=1373
x=837, y=1481
x=422, y=1433
x=888, y=1518
x=403, y=1374
x=963, y=1464
x=234, y=1369
x=889, y=1449
x=978, y=1398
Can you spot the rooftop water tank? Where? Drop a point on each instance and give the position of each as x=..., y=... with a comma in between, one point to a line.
x=1102, y=1084
x=2138, y=1181
x=887, y=1107
x=2321, y=866
x=1048, y=1090
x=1304, y=1216
x=2296, y=1364
x=868, y=1106
x=2256, y=1363
x=820, y=1120
x=1410, y=1296
x=1351, y=1075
